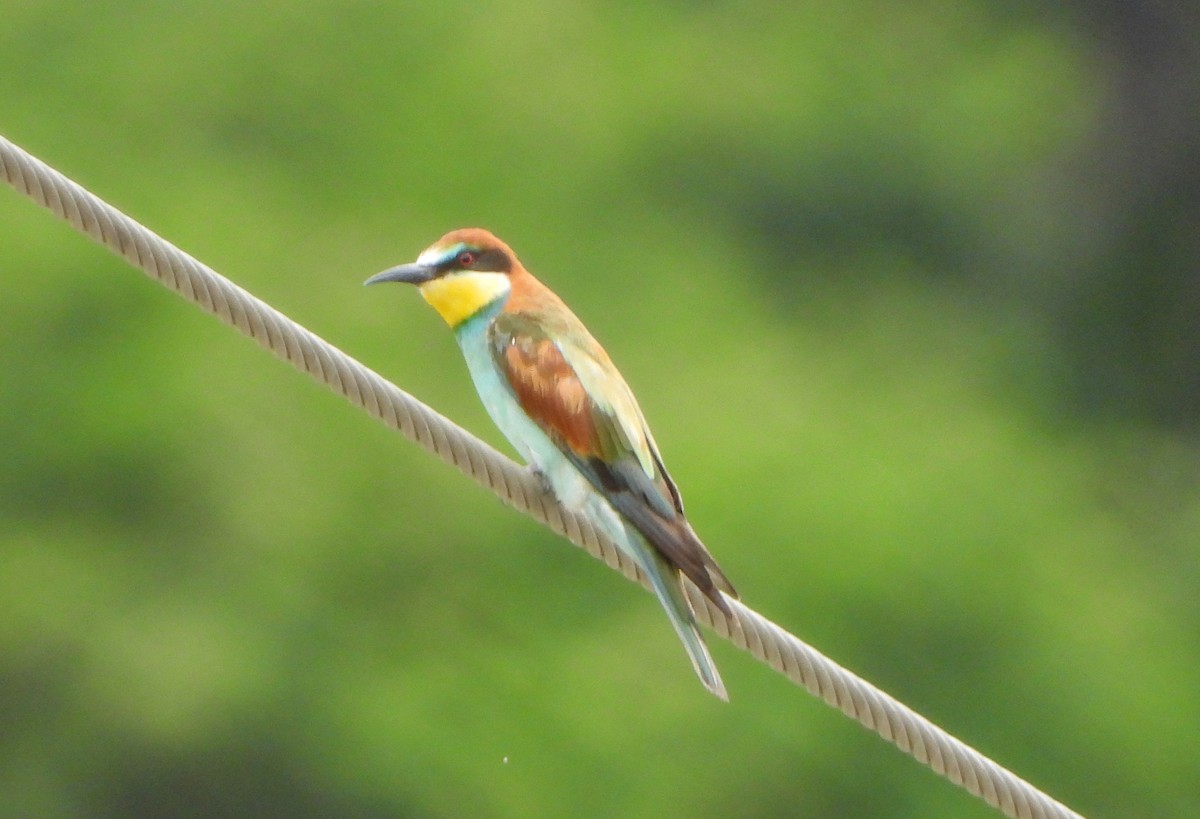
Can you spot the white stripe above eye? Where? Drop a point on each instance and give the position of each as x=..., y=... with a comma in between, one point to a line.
x=434, y=256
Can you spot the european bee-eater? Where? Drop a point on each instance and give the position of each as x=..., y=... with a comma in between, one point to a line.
x=555, y=394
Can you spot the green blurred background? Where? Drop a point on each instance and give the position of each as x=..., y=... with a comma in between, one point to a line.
x=909, y=293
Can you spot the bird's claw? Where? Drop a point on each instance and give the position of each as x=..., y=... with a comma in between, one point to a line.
x=542, y=479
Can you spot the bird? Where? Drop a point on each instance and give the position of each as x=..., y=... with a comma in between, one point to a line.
x=558, y=398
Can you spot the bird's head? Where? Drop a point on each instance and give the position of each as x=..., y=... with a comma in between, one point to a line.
x=460, y=274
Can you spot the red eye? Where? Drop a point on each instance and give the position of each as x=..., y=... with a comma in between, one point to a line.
x=466, y=259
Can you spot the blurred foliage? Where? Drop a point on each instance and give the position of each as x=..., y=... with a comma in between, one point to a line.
x=935, y=264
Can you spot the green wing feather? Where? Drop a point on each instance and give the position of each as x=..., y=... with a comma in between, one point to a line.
x=568, y=386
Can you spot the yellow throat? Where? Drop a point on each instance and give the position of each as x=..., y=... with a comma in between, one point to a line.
x=458, y=296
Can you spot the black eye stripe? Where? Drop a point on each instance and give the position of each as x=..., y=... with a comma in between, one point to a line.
x=494, y=260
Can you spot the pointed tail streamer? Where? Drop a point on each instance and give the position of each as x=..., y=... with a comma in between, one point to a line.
x=515, y=484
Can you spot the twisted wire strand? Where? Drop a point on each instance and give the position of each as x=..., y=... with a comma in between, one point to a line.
x=514, y=484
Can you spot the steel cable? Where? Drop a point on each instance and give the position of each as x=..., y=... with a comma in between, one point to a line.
x=514, y=484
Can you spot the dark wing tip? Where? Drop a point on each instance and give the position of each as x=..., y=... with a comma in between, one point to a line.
x=721, y=582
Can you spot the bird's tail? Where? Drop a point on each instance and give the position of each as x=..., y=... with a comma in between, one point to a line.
x=668, y=588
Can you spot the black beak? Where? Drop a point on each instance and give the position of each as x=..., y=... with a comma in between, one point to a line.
x=411, y=273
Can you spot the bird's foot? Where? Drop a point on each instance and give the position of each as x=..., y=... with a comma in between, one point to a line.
x=541, y=478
